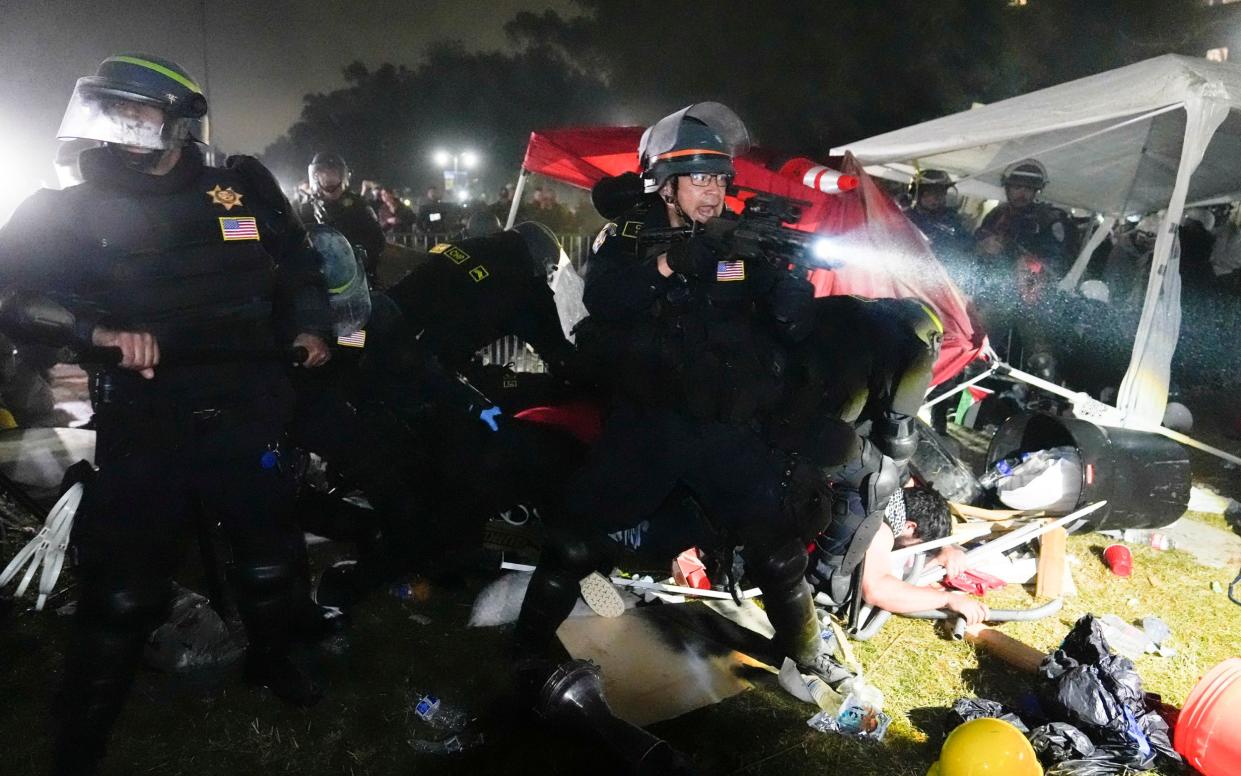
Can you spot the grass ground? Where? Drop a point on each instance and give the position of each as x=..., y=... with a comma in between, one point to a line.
x=177, y=726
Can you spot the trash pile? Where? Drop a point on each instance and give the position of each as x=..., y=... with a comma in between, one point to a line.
x=1092, y=717
x=193, y=638
x=1048, y=480
x=446, y=729
x=854, y=708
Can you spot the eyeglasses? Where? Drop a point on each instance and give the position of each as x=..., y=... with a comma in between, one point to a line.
x=704, y=179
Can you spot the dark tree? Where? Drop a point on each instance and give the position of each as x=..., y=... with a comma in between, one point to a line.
x=387, y=122
x=804, y=74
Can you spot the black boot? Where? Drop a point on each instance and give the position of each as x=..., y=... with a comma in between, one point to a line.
x=287, y=681
x=265, y=606
x=109, y=632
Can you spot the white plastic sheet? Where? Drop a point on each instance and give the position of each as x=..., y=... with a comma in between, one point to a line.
x=1155, y=135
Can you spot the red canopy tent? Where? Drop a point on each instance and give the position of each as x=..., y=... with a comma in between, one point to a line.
x=883, y=254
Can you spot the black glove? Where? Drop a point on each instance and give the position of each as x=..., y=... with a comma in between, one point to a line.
x=792, y=305
x=696, y=257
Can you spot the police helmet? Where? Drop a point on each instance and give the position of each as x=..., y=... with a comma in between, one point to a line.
x=349, y=296
x=929, y=179
x=543, y=245
x=323, y=162
x=105, y=106
x=482, y=223
x=703, y=137
x=1028, y=172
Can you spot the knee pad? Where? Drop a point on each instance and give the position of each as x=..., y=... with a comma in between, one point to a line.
x=879, y=485
x=896, y=434
x=782, y=565
x=576, y=556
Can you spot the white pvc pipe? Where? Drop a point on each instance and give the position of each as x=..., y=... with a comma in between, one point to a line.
x=662, y=587
x=956, y=538
x=961, y=387
x=1006, y=543
x=521, y=186
x=1112, y=416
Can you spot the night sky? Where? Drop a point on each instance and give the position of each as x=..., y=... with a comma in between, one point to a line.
x=262, y=57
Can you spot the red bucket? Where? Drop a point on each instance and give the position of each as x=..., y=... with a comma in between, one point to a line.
x=1208, y=732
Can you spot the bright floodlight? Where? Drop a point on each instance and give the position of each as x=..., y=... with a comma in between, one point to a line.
x=469, y=159
x=442, y=158
x=463, y=195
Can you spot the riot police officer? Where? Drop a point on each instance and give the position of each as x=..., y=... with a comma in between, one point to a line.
x=156, y=253
x=853, y=391
x=457, y=455
x=930, y=212
x=695, y=340
x=332, y=203
x=1022, y=224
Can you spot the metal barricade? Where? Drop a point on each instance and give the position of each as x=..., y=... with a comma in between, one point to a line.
x=511, y=351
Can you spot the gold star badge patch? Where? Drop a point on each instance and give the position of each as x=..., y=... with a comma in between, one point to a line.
x=226, y=198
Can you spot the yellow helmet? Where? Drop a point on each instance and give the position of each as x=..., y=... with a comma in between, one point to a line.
x=983, y=747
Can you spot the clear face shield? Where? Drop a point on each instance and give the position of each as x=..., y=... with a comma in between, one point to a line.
x=349, y=296
x=125, y=120
x=328, y=179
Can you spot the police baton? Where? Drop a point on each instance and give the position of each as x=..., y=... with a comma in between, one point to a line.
x=110, y=356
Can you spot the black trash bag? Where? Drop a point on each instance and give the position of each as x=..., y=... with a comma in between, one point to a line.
x=1057, y=742
x=1086, y=643
x=1157, y=731
x=193, y=638
x=1088, y=768
x=1123, y=680
x=1101, y=694
x=966, y=709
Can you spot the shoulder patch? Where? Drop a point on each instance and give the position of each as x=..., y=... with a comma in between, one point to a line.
x=631, y=229
x=451, y=251
x=608, y=230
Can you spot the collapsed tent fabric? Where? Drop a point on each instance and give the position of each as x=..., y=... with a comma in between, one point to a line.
x=1150, y=136
x=882, y=254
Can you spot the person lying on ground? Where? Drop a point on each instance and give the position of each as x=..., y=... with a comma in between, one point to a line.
x=914, y=514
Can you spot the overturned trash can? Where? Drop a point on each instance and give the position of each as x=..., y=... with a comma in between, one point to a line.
x=1144, y=477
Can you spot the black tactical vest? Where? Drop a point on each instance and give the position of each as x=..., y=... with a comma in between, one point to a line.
x=187, y=266
x=701, y=350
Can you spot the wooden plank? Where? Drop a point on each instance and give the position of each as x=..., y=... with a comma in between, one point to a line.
x=1051, y=556
x=979, y=513
x=1016, y=653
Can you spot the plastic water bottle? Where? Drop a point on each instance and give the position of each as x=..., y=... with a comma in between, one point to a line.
x=1155, y=539
x=1025, y=467
x=825, y=697
x=1003, y=468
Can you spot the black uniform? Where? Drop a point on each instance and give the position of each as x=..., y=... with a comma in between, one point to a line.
x=697, y=364
x=950, y=240
x=200, y=257
x=1039, y=229
x=853, y=389
x=1015, y=290
x=352, y=217
x=469, y=293
x=463, y=296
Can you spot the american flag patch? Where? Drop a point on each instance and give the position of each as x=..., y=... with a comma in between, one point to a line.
x=730, y=270
x=355, y=340
x=239, y=228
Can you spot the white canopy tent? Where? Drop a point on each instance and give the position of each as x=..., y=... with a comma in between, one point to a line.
x=1151, y=136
